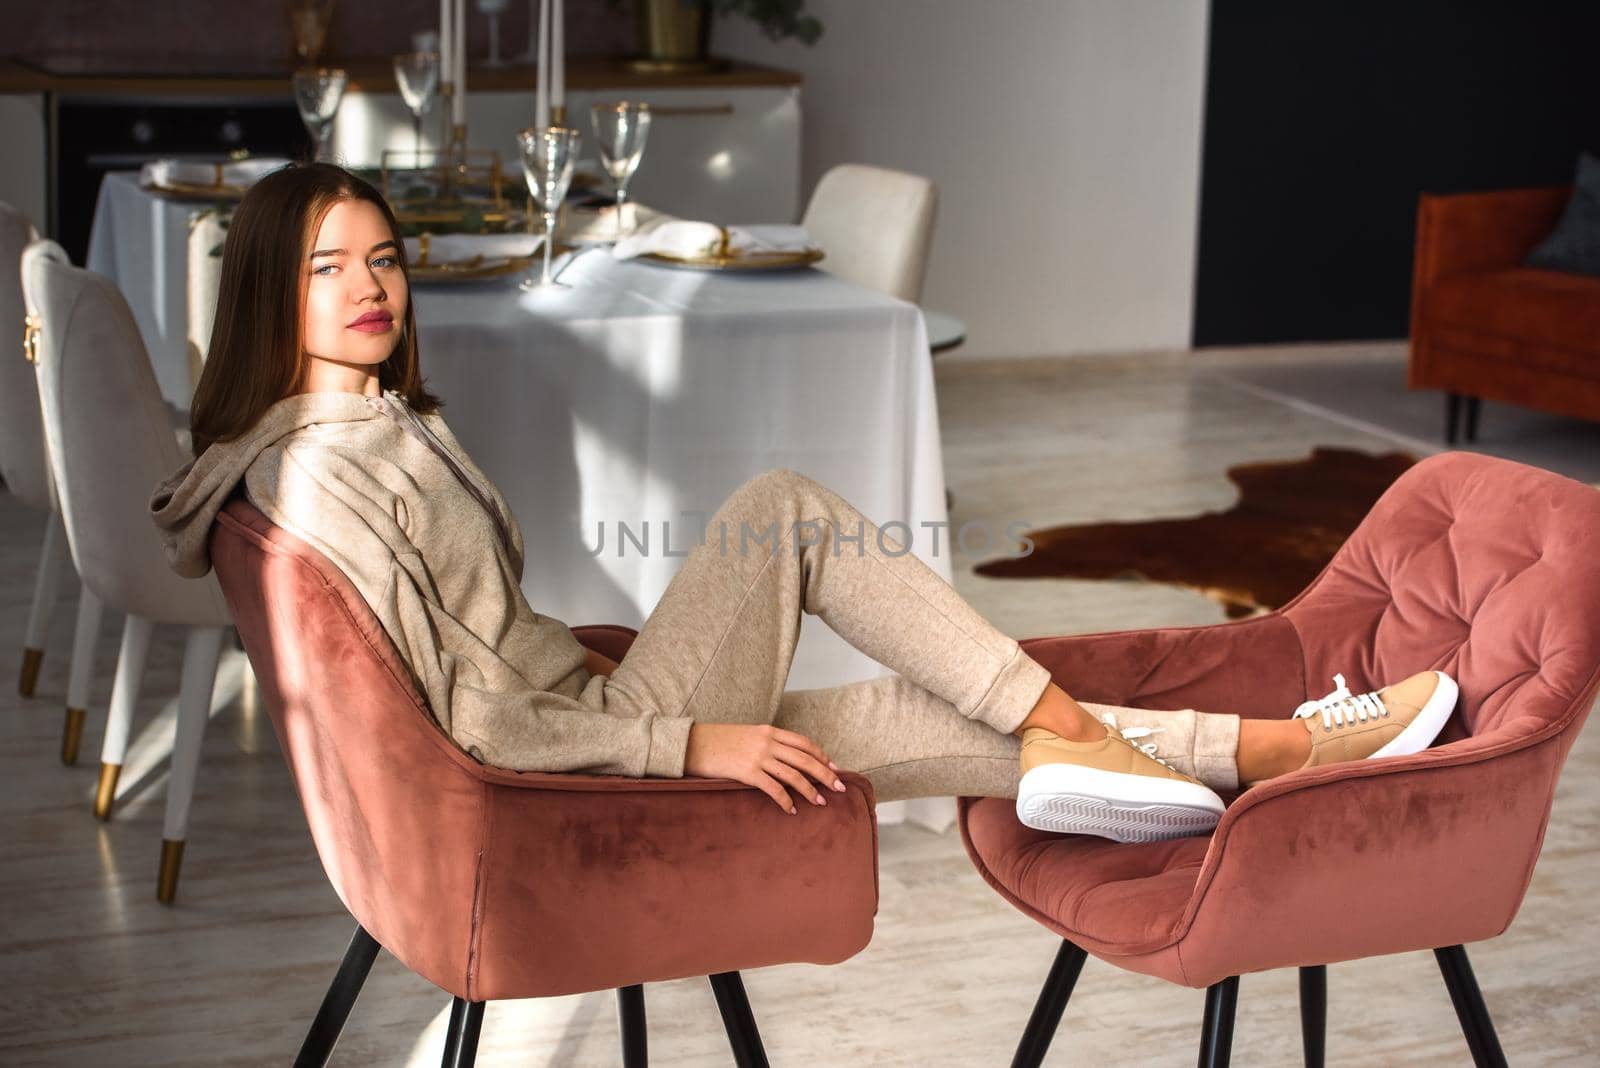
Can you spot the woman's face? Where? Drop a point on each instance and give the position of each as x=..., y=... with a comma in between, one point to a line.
x=355, y=299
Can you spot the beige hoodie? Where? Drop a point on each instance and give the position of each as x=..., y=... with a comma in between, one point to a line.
x=506, y=683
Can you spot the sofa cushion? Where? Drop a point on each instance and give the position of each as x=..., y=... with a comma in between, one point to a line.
x=1537, y=318
x=1574, y=245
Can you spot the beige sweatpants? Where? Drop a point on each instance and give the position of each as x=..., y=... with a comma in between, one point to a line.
x=719, y=644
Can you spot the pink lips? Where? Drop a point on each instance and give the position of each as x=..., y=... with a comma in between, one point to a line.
x=374, y=322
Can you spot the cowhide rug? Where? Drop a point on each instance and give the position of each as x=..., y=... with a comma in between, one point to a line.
x=1291, y=518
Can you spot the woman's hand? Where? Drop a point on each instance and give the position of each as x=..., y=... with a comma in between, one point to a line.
x=763, y=756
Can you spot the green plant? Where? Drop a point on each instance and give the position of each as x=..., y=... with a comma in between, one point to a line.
x=776, y=18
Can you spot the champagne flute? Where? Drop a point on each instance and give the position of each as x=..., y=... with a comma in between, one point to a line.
x=417, y=75
x=317, y=93
x=620, y=127
x=494, y=9
x=548, y=155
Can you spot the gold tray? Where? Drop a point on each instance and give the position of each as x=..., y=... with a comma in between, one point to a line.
x=185, y=191
x=749, y=261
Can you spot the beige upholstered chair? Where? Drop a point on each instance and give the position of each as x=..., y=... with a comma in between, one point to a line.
x=875, y=225
x=109, y=440
x=206, y=232
x=27, y=475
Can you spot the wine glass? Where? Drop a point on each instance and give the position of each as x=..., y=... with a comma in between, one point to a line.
x=494, y=9
x=548, y=156
x=620, y=127
x=317, y=93
x=308, y=20
x=417, y=74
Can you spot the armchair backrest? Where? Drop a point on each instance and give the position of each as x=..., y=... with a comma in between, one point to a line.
x=395, y=810
x=876, y=226
x=22, y=460
x=1486, y=569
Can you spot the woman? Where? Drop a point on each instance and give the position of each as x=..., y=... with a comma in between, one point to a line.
x=312, y=400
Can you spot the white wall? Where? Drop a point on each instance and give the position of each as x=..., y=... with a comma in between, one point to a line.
x=1065, y=138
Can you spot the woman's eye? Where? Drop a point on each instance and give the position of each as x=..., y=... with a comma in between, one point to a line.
x=324, y=267
x=390, y=260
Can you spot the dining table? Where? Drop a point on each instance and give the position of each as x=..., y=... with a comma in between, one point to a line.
x=617, y=411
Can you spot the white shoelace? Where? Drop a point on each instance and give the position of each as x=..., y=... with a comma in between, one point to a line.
x=1128, y=735
x=1341, y=706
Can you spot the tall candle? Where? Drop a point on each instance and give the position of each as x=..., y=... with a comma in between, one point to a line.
x=446, y=24
x=558, y=63
x=461, y=63
x=541, y=87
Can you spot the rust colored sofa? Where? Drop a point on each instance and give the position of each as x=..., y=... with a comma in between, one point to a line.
x=1486, y=569
x=500, y=884
x=1485, y=327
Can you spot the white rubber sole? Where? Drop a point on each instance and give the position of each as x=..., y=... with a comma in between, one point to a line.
x=1073, y=799
x=1420, y=732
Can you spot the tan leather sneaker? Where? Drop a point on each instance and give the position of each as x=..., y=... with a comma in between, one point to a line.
x=1399, y=719
x=1111, y=788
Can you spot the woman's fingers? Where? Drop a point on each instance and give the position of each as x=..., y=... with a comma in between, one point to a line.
x=773, y=789
x=811, y=766
x=778, y=769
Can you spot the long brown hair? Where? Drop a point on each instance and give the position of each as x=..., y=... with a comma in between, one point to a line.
x=257, y=353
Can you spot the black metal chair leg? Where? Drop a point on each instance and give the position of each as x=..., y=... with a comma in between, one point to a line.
x=1216, y=1039
x=738, y=1020
x=1470, y=1009
x=630, y=1015
x=471, y=1027
x=1314, y=1013
x=452, y=1033
x=1049, y=1006
x=338, y=1001
x=1452, y=416
x=1474, y=407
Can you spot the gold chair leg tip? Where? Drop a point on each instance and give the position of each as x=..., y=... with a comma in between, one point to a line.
x=31, y=659
x=171, y=861
x=71, y=735
x=106, y=795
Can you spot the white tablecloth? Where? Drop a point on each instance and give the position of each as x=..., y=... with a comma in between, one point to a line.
x=637, y=395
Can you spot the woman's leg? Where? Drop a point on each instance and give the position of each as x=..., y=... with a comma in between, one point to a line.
x=719, y=644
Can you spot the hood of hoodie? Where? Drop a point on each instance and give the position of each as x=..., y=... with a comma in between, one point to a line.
x=185, y=504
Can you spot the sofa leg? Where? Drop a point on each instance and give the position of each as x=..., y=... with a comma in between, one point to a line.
x=1216, y=1038
x=1051, y=1003
x=1474, y=406
x=1470, y=1010
x=738, y=1020
x=338, y=1001
x=1314, y=1013
x=1452, y=416
x=630, y=1015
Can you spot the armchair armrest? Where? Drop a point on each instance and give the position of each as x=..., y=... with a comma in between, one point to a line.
x=640, y=880
x=1365, y=858
x=1467, y=233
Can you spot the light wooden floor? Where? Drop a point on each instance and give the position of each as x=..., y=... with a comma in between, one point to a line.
x=94, y=972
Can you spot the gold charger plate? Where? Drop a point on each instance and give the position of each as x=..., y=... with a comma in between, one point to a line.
x=186, y=191
x=473, y=270
x=749, y=261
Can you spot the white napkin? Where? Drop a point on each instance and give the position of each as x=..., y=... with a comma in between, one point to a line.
x=240, y=173
x=681, y=237
x=453, y=248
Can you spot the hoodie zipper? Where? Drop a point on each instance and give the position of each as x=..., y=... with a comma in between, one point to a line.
x=393, y=404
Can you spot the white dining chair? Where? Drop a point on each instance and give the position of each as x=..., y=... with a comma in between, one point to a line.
x=109, y=440
x=27, y=475
x=206, y=233
x=875, y=226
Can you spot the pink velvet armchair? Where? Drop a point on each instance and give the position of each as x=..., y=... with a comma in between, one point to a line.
x=1483, y=568
x=499, y=884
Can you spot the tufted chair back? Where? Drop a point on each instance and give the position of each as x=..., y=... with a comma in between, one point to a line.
x=1483, y=568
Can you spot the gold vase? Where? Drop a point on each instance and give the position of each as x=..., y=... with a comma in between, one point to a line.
x=674, y=36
